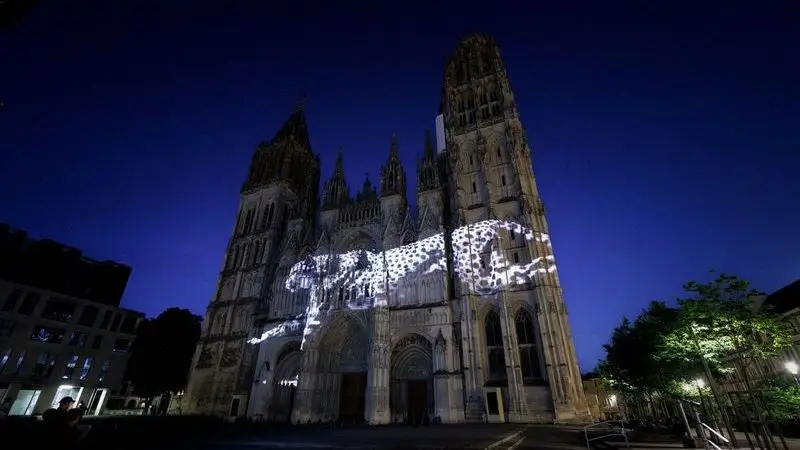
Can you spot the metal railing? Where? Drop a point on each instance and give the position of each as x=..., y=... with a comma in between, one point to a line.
x=615, y=430
x=714, y=432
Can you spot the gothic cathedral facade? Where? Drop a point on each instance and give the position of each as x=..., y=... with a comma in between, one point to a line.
x=435, y=351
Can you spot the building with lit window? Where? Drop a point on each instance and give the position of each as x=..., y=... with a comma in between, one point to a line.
x=62, y=330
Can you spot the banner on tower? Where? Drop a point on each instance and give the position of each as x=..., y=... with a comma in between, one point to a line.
x=440, y=144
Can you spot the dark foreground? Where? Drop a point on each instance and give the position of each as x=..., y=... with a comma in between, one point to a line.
x=178, y=433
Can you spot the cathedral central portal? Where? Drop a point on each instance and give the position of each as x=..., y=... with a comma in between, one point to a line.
x=342, y=371
x=287, y=371
x=411, y=391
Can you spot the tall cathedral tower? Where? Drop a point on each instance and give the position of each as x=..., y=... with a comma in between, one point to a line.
x=276, y=210
x=526, y=337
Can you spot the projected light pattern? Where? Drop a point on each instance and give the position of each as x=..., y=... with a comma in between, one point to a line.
x=280, y=329
x=361, y=279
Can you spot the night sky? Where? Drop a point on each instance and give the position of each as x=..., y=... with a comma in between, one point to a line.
x=665, y=140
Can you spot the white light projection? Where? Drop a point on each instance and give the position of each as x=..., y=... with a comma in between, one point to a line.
x=362, y=279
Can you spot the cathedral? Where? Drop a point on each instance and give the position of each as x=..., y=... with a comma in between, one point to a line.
x=434, y=332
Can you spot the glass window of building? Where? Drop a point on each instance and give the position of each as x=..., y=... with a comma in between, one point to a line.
x=115, y=323
x=106, y=319
x=50, y=335
x=122, y=345
x=104, y=371
x=20, y=361
x=78, y=339
x=59, y=310
x=87, y=367
x=28, y=305
x=11, y=301
x=88, y=316
x=70, y=369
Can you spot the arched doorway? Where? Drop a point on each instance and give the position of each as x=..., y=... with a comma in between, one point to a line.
x=342, y=371
x=287, y=370
x=411, y=392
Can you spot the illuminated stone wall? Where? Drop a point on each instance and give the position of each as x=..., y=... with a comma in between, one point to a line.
x=383, y=315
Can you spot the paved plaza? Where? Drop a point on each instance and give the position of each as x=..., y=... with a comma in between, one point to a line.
x=210, y=434
x=478, y=436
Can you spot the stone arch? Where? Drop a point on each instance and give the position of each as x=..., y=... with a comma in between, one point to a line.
x=495, y=352
x=284, y=381
x=344, y=342
x=305, y=252
x=342, y=369
x=528, y=345
x=484, y=308
x=411, y=374
x=412, y=358
x=408, y=238
x=358, y=240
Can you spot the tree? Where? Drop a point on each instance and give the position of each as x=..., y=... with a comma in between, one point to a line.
x=635, y=361
x=719, y=327
x=162, y=354
x=720, y=320
x=783, y=395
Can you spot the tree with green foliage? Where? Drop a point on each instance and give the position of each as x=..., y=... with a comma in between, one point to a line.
x=722, y=319
x=635, y=359
x=161, y=355
x=783, y=395
x=632, y=366
x=717, y=327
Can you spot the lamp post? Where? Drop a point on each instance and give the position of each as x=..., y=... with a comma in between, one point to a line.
x=794, y=369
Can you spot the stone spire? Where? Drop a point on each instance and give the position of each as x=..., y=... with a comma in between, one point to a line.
x=339, y=170
x=393, y=177
x=294, y=131
x=427, y=167
x=286, y=157
x=336, y=194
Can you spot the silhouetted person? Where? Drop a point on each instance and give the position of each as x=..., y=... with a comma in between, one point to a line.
x=56, y=417
x=67, y=434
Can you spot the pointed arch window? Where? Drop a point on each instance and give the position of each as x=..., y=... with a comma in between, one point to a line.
x=234, y=257
x=264, y=218
x=526, y=340
x=494, y=348
x=259, y=247
x=270, y=215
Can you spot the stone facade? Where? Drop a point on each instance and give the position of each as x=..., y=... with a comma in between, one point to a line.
x=430, y=346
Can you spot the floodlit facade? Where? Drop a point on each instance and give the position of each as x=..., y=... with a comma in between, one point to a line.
x=62, y=331
x=367, y=312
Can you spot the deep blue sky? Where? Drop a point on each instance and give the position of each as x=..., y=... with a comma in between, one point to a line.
x=665, y=140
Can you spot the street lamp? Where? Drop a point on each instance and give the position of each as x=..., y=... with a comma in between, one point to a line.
x=700, y=383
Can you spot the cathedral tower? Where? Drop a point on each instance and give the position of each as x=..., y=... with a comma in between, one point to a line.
x=276, y=209
x=526, y=350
